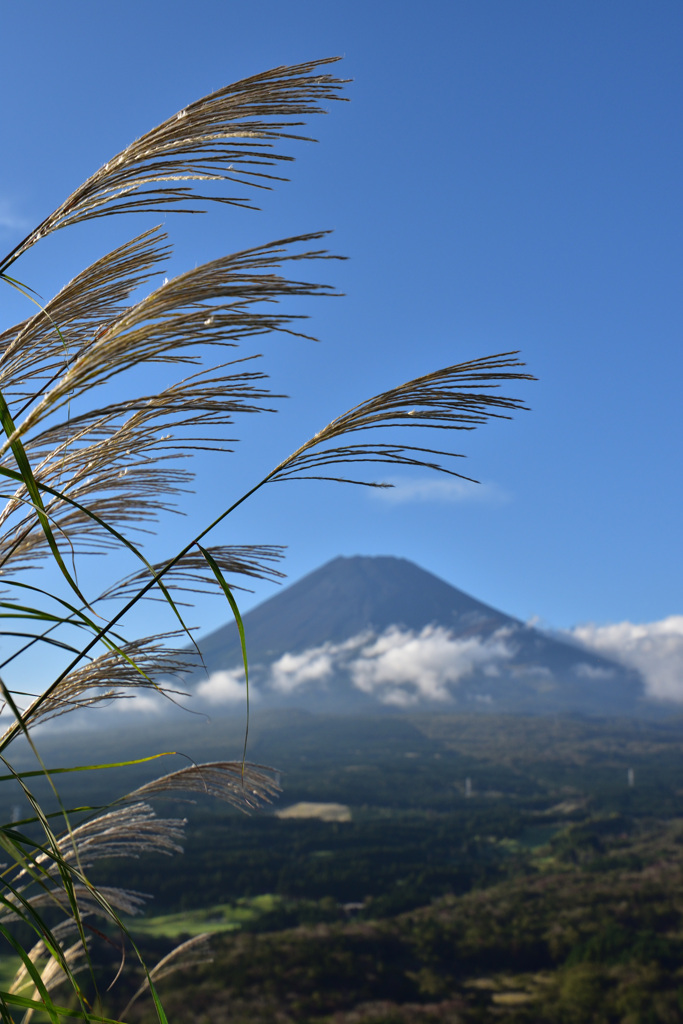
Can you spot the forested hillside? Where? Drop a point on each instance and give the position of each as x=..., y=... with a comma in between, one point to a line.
x=509, y=869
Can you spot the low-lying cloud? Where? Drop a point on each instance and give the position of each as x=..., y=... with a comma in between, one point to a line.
x=399, y=667
x=314, y=666
x=292, y=671
x=402, y=667
x=655, y=649
x=227, y=687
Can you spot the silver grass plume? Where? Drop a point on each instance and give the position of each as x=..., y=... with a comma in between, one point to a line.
x=52, y=973
x=91, y=900
x=111, y=676
x=225, y=136
x=36, y=352
x=166, y=326
x=458, y=397
x=191, y=953
x=124, y=832
x=191, y=575
x=127, y=831
x=117, y=463
x=243, y=785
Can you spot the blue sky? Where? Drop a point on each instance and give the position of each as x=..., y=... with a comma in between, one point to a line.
x=506, y=176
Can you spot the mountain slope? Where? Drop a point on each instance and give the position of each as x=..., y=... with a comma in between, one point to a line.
x=348, y=596
x=384, y=632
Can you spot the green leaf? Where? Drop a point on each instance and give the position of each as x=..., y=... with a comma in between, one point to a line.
x=46, y=1002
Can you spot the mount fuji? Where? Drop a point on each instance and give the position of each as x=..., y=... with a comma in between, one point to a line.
x=381, y=633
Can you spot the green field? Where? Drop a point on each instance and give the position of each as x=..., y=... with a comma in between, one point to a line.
x=222, y=917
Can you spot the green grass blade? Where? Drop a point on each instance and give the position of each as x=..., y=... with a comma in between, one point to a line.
x=157, y=1002
x=63, y=1012
x=85, y=767
x=46, y=1003
x=216, y=570
x=31, y=485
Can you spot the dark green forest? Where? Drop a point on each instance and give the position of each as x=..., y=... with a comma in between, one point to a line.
x=548, y=887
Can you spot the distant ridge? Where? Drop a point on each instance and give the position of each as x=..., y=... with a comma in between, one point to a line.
x=367, y=596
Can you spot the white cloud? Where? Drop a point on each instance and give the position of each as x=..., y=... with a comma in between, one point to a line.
x=402, y=667
x=142, y=702
x=585, y=671
x=314, y=665
x=292, y=671
x=440, y=489
x=655, y=649
x=227, y=687
x=533, y=671
x=10, y=219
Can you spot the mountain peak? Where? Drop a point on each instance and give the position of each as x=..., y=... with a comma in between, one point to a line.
x=351, y=595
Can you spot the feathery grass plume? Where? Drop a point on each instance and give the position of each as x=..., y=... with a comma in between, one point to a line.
x=123, y=832
x=90, y=458
x=132, y=667
x=91, y=900
x=173, y=321
x=127, y=831
x=243, y=785
x=455, y=398
x=225, y=136
x=52, y=972
x=119, y=460
x=190, y=574
x=191, y=953
x=32, y=353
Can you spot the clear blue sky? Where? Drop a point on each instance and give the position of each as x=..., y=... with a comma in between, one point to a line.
x=507, y=175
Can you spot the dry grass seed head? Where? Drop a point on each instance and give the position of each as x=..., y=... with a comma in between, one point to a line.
x=191, y=575
x=225, y=136
x=451, y=399
x=111, y=676
x=245, y=786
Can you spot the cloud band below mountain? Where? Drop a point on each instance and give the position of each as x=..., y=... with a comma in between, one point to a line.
x=406, y=668
x=655, y=649
x=400, y=667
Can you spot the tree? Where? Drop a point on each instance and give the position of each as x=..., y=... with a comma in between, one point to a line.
x=81, y=472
